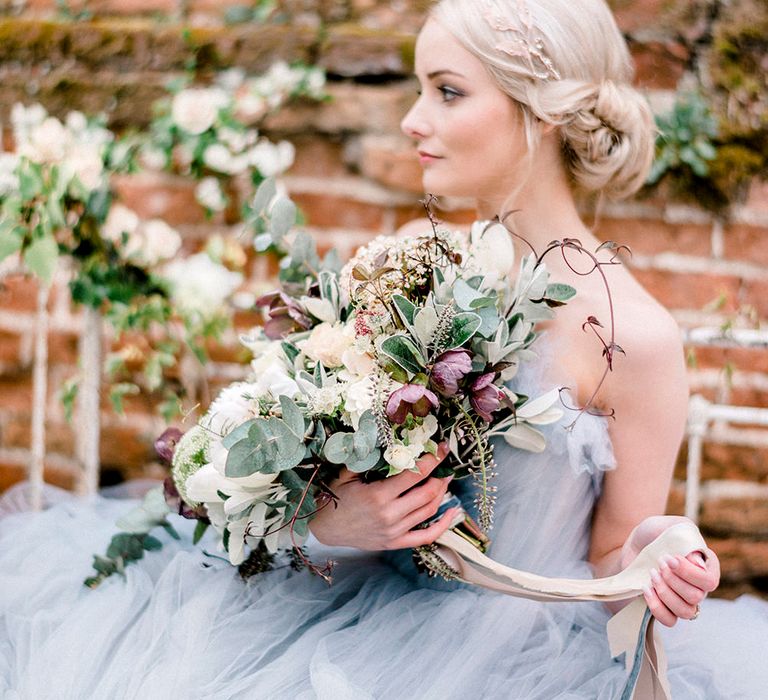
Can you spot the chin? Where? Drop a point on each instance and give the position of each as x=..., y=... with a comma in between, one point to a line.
x=441, y=186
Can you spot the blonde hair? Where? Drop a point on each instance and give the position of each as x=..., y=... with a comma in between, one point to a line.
x=606, y=125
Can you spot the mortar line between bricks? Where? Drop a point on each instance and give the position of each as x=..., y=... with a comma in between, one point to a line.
x=677, y=263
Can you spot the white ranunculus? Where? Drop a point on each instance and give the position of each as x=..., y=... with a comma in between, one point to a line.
x=492, y=252
x=199, y=285
x=195, y=110
x=120, y=220
x=326, y=343
x=400, y=458
x=275, y=380
x=208, y=193
x=264, y=358
x=358, y=398
x=272, y=159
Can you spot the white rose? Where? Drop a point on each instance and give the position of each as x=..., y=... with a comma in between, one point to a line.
x=208, y=193
x=47, y=142
x=357, y=363
x=400, y=457
x=217, y=157
x=120, y=220
x=492, y=252
x=326, y=344
x=195, y=110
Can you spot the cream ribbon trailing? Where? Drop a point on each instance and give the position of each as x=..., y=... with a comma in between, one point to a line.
x=631, y=631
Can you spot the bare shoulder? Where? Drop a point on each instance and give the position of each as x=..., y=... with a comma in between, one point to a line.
x=649, y=360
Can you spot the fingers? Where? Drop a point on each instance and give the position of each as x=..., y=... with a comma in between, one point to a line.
x=396, y=485
x=425, y=512
x=419, y=496
x=657, y=608
x=689, y=569
x=416, y=538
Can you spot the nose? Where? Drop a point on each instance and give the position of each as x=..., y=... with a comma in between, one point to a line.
x=414, y=124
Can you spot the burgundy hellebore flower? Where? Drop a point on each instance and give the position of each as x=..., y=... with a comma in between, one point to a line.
x=485, y=396
x=285, y=315
x=165, y=445
x=449, y=369
x=410, y=398
x=177, y=505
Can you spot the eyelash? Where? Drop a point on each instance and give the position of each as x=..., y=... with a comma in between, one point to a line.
x=449, y=94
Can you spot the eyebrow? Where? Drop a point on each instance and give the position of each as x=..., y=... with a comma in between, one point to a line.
x=444, y=71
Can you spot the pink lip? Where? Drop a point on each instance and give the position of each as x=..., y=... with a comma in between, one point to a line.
x=425, y=157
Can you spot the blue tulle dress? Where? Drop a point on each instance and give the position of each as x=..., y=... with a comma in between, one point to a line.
x=184, y=625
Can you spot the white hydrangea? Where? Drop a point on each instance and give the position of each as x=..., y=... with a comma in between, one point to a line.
x=325, y=400
x=234, y=405
x=199, y=285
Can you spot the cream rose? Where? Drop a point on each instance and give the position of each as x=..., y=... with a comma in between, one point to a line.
x=326, y=344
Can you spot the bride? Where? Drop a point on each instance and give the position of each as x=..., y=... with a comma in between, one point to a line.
x=522, y=103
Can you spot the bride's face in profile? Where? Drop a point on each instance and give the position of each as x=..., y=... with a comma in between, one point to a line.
x=468, y=133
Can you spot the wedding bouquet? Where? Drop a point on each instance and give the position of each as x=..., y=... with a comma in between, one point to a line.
x=367, y=367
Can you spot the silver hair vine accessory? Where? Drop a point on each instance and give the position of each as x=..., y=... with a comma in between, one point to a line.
x=524, y=42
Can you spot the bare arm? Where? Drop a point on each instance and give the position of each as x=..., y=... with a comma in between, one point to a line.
x=649, y=393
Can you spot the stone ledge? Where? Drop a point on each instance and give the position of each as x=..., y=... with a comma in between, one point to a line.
x=141, y=44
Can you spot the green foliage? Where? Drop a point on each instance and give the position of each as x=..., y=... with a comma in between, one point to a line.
x=357, y=450
x=685, y=143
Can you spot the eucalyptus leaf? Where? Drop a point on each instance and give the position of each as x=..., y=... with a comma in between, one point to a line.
x=337, y=448
x=282, y=218
x=41, y=257
x=11, y=239
x=364, y=464
x=292, y=417
x=264, y=195
x=240, y=432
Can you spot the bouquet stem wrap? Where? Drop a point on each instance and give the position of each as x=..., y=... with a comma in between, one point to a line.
x=630, y=631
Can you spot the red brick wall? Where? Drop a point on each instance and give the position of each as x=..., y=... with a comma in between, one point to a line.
x=355, y=177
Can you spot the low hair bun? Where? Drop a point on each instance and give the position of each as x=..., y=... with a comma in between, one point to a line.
x=608, y=140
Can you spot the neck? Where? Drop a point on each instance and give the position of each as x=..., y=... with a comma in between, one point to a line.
x=544, y=208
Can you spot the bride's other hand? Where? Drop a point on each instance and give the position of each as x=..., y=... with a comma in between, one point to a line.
x=678, y=583
x=379, y=515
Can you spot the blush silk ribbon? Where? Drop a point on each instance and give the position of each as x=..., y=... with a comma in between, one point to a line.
x=630, y=631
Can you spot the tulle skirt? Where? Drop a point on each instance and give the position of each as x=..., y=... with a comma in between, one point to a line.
x=182, y=624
